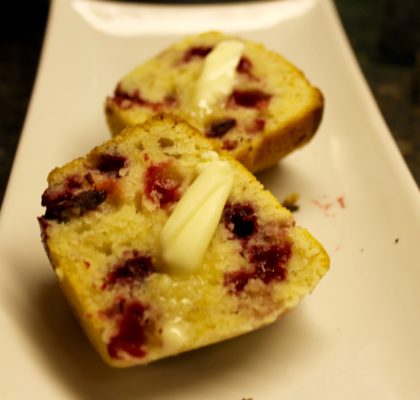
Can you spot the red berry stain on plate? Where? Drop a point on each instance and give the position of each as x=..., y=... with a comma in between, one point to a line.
x=328, y=206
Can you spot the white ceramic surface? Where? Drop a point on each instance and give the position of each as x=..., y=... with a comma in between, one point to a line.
x=356, y=337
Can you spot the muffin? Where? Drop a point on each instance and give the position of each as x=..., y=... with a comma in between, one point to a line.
x=161, y=245
x=262, y=106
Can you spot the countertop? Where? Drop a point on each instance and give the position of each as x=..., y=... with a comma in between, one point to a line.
x=384, y=34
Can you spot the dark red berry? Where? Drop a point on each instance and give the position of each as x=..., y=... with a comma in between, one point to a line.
x=245, y=68
x=124, y=99
x=130, y=337
x=73, y=182
x=127, y=100
x=240, y=219
x=229, y=144
x=250, y=98
x=270, y=261
x=110, y=163
x=135, y=268
x=269, y=264
x=65, y=205
x=162, y=183
x=197, y=52
x=238, y=279
x=257, y=126
x=89, y=179
x=221, y=127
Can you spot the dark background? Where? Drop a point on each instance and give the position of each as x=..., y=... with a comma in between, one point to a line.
x=385, y=35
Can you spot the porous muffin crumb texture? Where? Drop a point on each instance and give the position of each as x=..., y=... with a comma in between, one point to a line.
x=271, y=110
x=104, y=213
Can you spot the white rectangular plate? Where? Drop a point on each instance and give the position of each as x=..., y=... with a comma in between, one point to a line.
x=358, y=334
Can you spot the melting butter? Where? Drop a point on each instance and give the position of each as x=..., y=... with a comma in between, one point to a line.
x=188, y=231
x=218, y=75
x=173, y=337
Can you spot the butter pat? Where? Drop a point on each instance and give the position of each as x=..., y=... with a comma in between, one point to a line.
x=173, y=337
x=218, y=75
x=187, y=233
